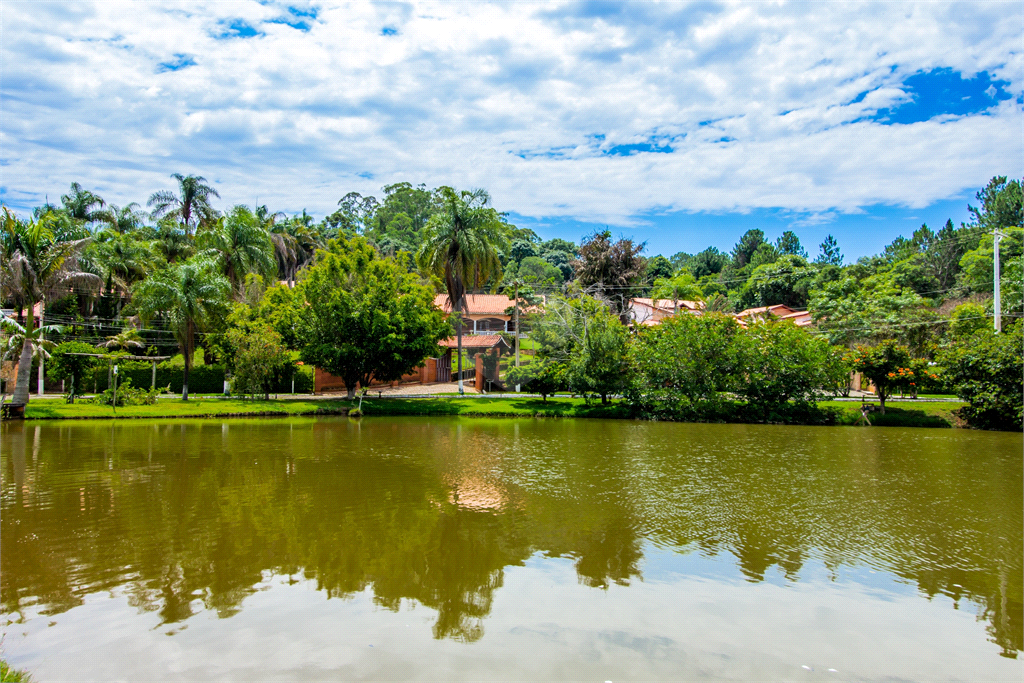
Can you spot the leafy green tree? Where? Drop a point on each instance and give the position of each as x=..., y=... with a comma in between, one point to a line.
x=191, y=297
x=680, y=260
x=659, y=267
x=830, y=254
x=460, y=246
x=685, y=362
x=37, y=263
x=610, y=270
x=241, y=245
x=64, y=366
x=354, y=216
x=260, y=361
x=521, y=249
x=1001, y=205
x=788, y=244
x=764, y=255
x=986, y=369
x=681, y=287
x=881, y=364
x=977, y=264
x=558, y=244
x=745, y=248
x=169, y=240
x=534, y=270
x=785, y=281
x=362, y=317
x=782, y=362
x=581, y=335
x=190, y=206
x=968, y=318
x=543, y=376
x=708, y=262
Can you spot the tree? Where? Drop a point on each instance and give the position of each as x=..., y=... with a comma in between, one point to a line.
x=261, y=360
x=681, y=287
x=782, y=362
x=121, y=260
x=241, y=245
x=1001, y=206
x=460, y=246
x=24, y=342
x=830, y=254
x=81, y=204
x=65, y=366
x=881, y=364
x=685, y=362
x=191, y=206
x=354, y=216
x=536, y=271
x=543, y=376
x=659, y=267
x=190, y=297
x=125, y=340
x=986, y=369
x=610, y=270
x=789, y=244
x=708, y=262
x=589, y=341
x=786, y=281
x=745, y=248
x=121, y=220
x=37, y=263
x=364, y=318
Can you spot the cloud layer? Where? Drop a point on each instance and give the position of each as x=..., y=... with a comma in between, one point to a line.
x=591, y=111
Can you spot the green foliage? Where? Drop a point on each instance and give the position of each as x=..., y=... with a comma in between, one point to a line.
x=590, y=342
x=659, y=267
x=684, y=363
x=682, y=287
x=708, y=262
x=65, y=367
x=745, y=248
x=536, y=271
x=781, y=362
x=260, y=362
x=986, y=369
x=241, y=245
x=977, y=264
x=543, y=376
x=9, y=675
x=786, y=280
x=968, y=318
x=830, y=254
x=609, y=269
x=881, y=364
x=126, y=395
x=361, y=316
x=789, y=244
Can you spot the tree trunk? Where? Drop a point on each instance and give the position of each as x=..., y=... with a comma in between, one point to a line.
x=184, y=383
x=21, y=390
x=458, y=336
x=881, y=401
x=350, y=391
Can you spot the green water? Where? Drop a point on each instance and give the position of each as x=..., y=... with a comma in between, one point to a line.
x=440, y=548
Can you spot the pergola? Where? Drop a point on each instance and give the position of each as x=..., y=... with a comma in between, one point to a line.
x=113, y=359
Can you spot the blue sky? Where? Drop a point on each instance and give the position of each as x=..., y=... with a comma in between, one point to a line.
x=681, y=124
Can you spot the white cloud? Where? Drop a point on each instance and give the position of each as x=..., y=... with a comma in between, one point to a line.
x=298, y=118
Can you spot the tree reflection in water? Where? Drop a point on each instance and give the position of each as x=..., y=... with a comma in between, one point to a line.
x=184, y=517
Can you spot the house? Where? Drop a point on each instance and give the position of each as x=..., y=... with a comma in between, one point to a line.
x=776, y=312
x=486, y=313
x=644, y=311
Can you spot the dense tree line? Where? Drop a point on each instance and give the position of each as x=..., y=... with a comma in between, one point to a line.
x=241, y=285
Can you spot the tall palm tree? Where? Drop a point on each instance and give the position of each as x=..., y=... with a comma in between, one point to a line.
x=241, y=245
x=189, y=296
x=191, y=206
x=37, y=263
x=461, y=245
x=81, y=204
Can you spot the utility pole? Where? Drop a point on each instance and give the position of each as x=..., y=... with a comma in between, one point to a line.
x=515, y=314
x=997, y=307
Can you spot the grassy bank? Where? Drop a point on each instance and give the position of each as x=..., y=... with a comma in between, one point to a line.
x=933, y=414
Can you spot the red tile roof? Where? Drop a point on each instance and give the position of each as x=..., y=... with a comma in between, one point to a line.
x=478, y=304
x=474, y=341
x=668, y=305
x=777, y=310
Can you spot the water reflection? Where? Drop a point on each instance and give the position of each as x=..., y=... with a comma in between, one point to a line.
x=191, y=516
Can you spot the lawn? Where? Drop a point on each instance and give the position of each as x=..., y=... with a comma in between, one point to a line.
x=932, y=414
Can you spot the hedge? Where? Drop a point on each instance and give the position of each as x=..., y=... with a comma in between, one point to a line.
x=203, y=379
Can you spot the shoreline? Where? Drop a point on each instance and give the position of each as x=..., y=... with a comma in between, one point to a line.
x=931, y=413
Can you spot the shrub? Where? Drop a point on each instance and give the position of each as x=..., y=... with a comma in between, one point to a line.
x=985, y=370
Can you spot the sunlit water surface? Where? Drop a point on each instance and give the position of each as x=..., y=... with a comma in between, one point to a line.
x=442, y=548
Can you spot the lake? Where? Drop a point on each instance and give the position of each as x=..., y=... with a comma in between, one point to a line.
x=447, y=548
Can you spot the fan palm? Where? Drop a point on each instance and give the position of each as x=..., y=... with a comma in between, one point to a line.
x=241, y=245
x=461, y=245
x=191, y=206
x=190, y=297
x=37, y=263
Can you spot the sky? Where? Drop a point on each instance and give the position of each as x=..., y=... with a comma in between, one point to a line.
x=678, y=124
